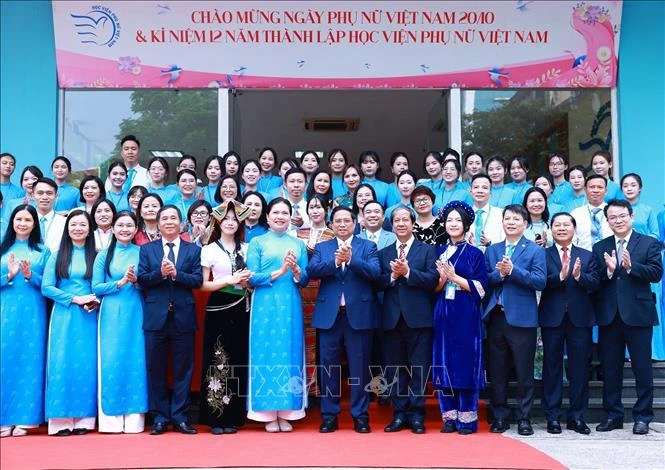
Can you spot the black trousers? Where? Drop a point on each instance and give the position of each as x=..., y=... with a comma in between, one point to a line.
x=578, y=343
x=408, y=356
x=162, y=407
x=613, y=340
x=506, y=342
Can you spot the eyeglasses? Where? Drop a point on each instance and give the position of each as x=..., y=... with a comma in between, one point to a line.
x=556, y=163
x=614, y=218
x=228, y=188
x=200, y=214
x=422, y=200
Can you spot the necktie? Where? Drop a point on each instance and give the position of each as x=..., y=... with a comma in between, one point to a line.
x=620, y=246
x=171, y=254
x=402, y=249
x=565, y=258
x=510, y=249
x=42, y=227
x=479, y=226
x=595, y=225
x=130, y=178
x=372, y=237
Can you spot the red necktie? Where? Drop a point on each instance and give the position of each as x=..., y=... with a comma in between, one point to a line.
x=402, y=247
x=565, y=257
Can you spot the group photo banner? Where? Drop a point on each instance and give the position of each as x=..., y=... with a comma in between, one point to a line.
x=331, y=44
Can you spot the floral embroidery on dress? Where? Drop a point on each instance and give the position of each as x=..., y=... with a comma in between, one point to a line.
x=218, y=396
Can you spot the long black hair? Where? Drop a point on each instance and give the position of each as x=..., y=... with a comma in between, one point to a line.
x=311, y=191
x=111, y=249
x=35, y=237
x=96, y=205
x=140, y=223
x=263, y=218
x=546, y=211
x=63, y=260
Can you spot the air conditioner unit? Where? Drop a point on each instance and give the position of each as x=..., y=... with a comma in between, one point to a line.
x=332, y=124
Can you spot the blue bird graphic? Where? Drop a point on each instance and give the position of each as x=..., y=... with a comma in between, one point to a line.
x=174, y=73
x=96, y=27
x=300, y=63
x=496, y=75
x=522, y=4
x=241, y=70
x=424, y=68
x=163, y=9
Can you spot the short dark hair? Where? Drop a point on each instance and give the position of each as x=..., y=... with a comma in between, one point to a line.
x=471, y=154
x=479, y=176
x=132, y=138
x=580, y=168
x=187, y=157
x=396, y=155
x=340, y=209
x=548, y=177
x=450, y=152
x=421, y=190
x=565, y=214
x=522, y=161
x=355, y=206
x=195, y=205
x=560, y=155
x=7, y=154
x=218, y=196
x=65, y=160
x=594, y=177
x=546, y=211
x=100, y=184
x=46, y=180
x=618, y=203
x=435, y=155
x=456, y=163
x=517, y=209
x=167, y=207
x=186, y=171
x=372, y=155
x=374, y=202
x=293, y=171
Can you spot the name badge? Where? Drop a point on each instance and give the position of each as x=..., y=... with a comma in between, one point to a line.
x=450, y=290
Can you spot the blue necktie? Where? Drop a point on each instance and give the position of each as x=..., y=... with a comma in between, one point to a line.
x=510, y=249
x=595, y=225
x=479, y=226
x=171, y=254
x=130, y=179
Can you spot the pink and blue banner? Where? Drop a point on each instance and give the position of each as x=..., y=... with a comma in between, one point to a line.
x=331, y=44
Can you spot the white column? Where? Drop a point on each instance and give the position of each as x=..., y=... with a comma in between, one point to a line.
x=614, y=110
x=224, y=120
x=455, y=119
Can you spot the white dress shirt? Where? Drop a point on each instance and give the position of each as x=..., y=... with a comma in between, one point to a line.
x=141, y=178
x=582, y=217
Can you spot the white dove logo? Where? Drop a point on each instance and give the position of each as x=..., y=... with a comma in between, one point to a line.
x=98, y=26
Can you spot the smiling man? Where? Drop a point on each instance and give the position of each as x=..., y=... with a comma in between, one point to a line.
x=52, y=225
x=626, y=309
x=591, y=222
x=168, y=271
x=130, y=151
x=517, y=269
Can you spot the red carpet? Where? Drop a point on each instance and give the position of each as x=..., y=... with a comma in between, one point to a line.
x=253, y=447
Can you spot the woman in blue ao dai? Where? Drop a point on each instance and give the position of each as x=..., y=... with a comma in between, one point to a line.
x=22, y=324
x=122, y=379
x=277, y=388
x=457, y=372
x=71, y=370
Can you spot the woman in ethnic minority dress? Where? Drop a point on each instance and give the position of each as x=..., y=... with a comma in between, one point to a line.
x=318, y=232
x=123, y=389
x=277, y=392
x=22, y=324
x=71, y=374
x=226, y=325
x=457, y=351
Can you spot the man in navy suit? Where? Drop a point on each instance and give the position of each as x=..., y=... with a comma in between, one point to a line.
x=168, y=271
x=626, y=311
x=517, y=269
x=567, y=317
x=346, y=314
x=408, y=279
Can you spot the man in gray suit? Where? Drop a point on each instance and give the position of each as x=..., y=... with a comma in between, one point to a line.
x=374, y=217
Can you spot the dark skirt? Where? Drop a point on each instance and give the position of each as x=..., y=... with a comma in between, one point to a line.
x=225, y=357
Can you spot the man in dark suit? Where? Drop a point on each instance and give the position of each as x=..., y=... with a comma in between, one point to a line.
x=626, y=312
x=566, y=314
x=346, y=314
x=517, y=269
x=168, y=271
x=408, y=279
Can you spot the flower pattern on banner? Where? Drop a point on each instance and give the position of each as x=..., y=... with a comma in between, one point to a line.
x=127, y=64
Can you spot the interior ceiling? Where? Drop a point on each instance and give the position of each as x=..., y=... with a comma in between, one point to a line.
x=389, y=120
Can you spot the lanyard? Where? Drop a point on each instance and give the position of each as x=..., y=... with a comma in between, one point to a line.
x=446, y=258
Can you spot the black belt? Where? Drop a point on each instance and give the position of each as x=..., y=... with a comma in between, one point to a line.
x=342, y=309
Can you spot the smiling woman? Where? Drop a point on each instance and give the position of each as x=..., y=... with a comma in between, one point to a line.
x=277, y=389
